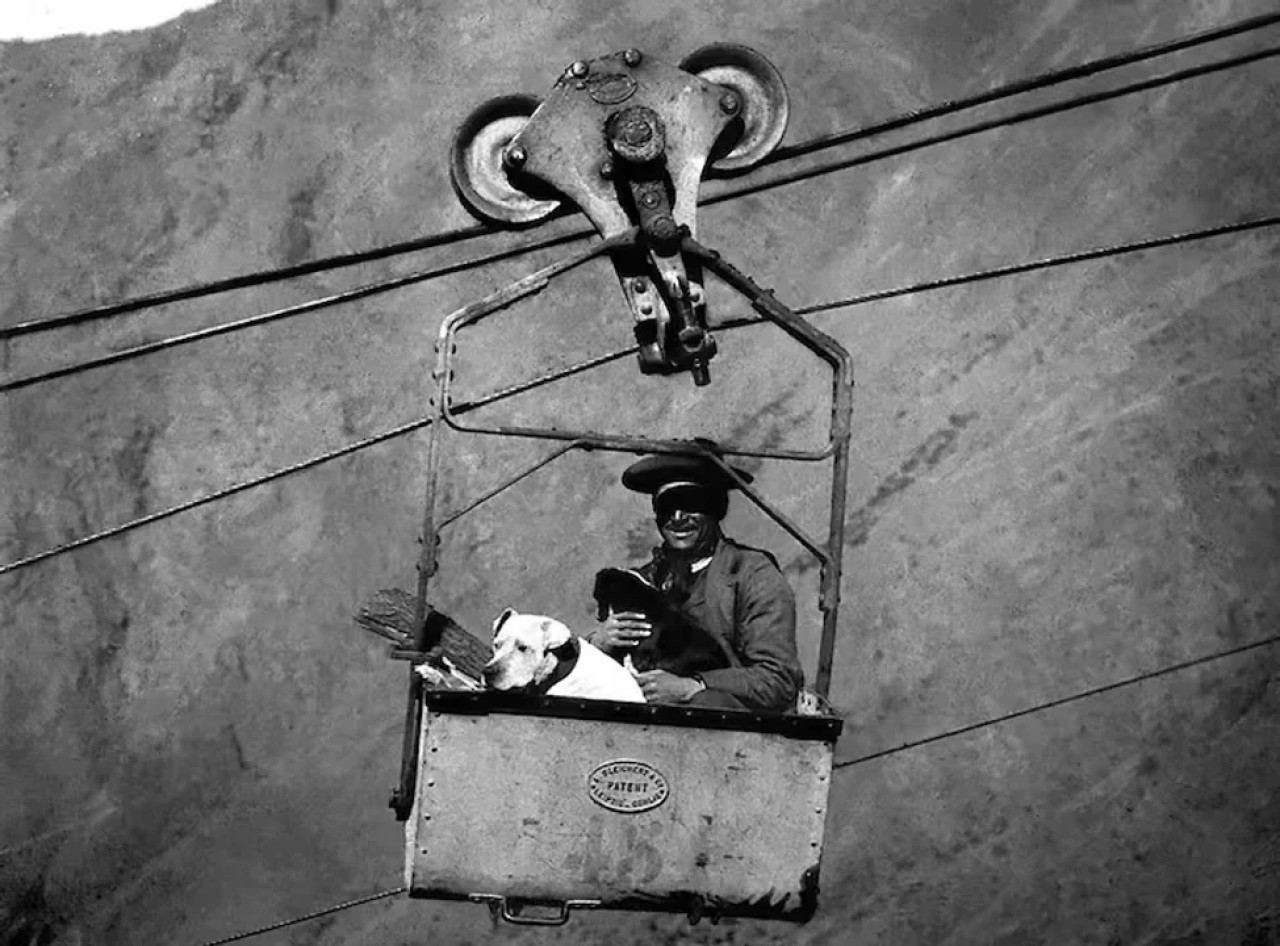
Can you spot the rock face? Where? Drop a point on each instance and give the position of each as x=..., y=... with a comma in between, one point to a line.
x=1061, y=479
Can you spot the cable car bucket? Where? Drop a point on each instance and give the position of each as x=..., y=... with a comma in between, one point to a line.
x=553, y=804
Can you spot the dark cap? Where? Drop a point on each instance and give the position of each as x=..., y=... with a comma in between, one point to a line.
x=658, y=473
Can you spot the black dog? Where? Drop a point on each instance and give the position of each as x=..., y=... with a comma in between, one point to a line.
x=676, y=644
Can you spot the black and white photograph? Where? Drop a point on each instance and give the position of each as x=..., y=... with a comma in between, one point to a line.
x=640, y=473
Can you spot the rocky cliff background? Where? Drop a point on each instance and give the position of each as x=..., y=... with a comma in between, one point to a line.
x=1060, y=479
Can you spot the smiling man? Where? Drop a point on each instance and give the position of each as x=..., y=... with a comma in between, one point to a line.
x=736, y=593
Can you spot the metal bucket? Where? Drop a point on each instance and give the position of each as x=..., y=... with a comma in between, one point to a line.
x=560, y=804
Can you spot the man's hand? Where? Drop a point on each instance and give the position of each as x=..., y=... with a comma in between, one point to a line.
x=662, y=687
x=622, y=631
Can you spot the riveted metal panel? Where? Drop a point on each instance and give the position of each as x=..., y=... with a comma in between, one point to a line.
x=639, y=814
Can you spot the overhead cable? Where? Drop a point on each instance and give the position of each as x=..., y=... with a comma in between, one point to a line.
x=1049, y=262
x=785, y=153
x=247, y=934
x=311, y=305
x=242, y=281
x=794, y=177
x=1021, y=86
x=1052, y=704
x=578, y=368
x=1043, y=111
x=236, y=488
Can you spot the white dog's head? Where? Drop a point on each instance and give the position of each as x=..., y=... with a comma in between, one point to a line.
x=522, y=650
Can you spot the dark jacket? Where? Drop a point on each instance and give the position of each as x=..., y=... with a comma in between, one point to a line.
x=743, y=599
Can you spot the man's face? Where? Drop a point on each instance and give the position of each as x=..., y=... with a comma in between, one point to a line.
x=685, y=530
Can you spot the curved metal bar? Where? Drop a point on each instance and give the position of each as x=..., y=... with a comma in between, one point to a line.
x=764, y=302
x=402, y=798
x=841, y=422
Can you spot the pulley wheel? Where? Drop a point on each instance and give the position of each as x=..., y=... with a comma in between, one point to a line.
x=485, y=185
x=762, y=98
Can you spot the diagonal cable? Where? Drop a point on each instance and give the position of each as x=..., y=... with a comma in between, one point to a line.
x=236, y=488
x=236, y=937
x=786, y=153
x=1048, y=262
x=580, y=367
x=1063, y=701
x=312, y=305
x=1022, y=86
x=805, y=174
x=1016, y=118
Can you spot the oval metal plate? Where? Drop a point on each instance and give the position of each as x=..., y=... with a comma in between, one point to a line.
x=611, y=88
x=627, y=786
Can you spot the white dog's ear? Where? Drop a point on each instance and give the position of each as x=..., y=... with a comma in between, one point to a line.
x=555, y=634
x=502, y=619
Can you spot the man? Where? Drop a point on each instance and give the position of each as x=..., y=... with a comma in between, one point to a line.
x=736, y=593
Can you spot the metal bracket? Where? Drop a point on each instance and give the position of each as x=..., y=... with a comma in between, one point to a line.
x=627, y=137
x=512, y=909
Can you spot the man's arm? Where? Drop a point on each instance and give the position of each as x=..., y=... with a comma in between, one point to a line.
x=770, y=676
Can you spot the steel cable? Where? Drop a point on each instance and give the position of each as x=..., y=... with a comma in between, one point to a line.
x=311, y=305
x=1017, y=118
x=1021, y=86
x=236, y=937
x=1063, y=701
x=242, y=281
x=805, y=174
x=508, y=392
x=235, y=488
x=1048, y=262
x=953, y=106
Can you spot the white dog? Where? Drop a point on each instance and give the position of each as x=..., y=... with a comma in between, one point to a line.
x=540, y=655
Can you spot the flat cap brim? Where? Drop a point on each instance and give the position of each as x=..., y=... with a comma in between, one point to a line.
x=652, y=473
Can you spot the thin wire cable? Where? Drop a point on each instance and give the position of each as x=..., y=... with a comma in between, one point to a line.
x=244, y=281
x=214, y=496
x=1063, y=701
x=312, y=305
x=400, y=431
x=1016, y=118
x=953, y=106
x=236, y=937
x=513, y=390
x=1021, y=86
x=1048, y=262
x=475, y=262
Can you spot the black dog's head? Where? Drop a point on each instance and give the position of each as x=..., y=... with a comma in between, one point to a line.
x=621, y=589
x=677, y=644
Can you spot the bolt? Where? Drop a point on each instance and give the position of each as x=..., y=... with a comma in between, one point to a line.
x=649, y=199
x=729, y=103
x=636, y=132
x=640, y=285
x=646, y=309
x=579, y=69
x=632, y=57
x=515, y=156
x=606, y=169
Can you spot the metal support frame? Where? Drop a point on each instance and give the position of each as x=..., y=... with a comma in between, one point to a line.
x=828, y=553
